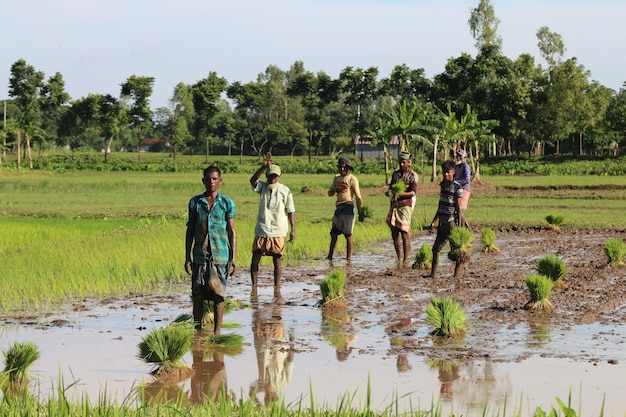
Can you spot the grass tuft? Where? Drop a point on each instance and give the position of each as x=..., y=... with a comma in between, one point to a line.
x=552, y=267
x=332, y=287
x=446, y=316
x=555, y=221
x=615, y=250
x=540, y=288
x=165, y=347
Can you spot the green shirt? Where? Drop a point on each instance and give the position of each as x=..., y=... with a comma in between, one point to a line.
x=210, y=231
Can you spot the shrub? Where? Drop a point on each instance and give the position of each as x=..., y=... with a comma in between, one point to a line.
x=446, y=316
x=540, y=288
x=615, y=251
x=424, y=257
x=488, y=239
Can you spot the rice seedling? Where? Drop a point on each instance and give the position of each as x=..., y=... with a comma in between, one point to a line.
x=615, y=250
x=367, y=212
x=165, y=347
x=332, y=287
x=446, y=316
x=488, y=239
x=423, y=257
x=540, y=288
x=18, y=358
x=395, y=189
x=461, y=240
x=555, y=221
x=552, y=267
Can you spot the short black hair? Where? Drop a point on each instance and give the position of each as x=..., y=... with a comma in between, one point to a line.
x=210, y=169
x=447, y=165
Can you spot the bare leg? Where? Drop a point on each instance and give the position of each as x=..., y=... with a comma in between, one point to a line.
x=395, y=236
x=278, y=269
x=198, y=311
x=349, y=247
x=333, y=243
x=406, y=244
x=254, y=267
x=218, y=315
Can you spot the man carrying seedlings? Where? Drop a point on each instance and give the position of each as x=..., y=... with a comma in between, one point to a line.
x=210, y=246
x=448, y=213
x=277, y=214
x=346, y=187
x=402, y=193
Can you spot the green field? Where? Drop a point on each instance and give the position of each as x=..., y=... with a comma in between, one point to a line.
x=90, y=233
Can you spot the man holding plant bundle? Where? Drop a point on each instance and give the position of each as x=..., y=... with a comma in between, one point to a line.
x=449, y=213
x=276, y=215
x=346, y=187
x=210, y=246
x=402, y=193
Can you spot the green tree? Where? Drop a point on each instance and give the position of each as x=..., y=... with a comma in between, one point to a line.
x=359, y=88
x=483, y=25
x=138, y=90
x=53, y=104
x=25, y=85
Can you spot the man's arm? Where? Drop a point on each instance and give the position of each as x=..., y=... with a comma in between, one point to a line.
x=232, y=241
x=358, y=200
x=266, y=162
x=292, y=223
x=189, y=235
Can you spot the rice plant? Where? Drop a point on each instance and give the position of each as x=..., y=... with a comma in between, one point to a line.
x=488, y=239
x=461, y=240
x=423, y=257
x=446, y=316
x=552, y=267
x=555, y=221
x=395, y=189
x=332, y=287
x=540, y=288
x=367, y=212
x=18, y=358
x=165, y=347
x=615, y=250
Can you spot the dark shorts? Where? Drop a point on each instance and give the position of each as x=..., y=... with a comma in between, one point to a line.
x=443, y=234
x=343, y=220
x=199, y=284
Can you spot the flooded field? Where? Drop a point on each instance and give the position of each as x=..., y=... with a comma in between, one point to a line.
x=382, y=341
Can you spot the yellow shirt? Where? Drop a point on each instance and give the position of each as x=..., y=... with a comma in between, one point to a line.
x=347, y=190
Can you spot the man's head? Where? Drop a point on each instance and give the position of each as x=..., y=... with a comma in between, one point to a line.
x=344, y=165
x=447, y=169
x=460, y=156
x=404, y=159
x=212, y=178
x=272, y=173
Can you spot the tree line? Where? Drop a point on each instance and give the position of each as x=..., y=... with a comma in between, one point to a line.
x=487, y=104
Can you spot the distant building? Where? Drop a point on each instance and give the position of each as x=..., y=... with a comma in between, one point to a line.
x=154, y=145
x=364, y=149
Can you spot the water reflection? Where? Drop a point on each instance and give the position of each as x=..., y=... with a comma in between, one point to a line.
x=448, y=371
x=274, y=353
x=209, y=381
x=539, y=330
x=338, y=330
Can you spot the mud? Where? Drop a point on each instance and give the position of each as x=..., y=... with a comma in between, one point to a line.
x=380, y=340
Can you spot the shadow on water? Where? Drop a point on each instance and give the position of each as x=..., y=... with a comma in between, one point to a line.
x=294, y=348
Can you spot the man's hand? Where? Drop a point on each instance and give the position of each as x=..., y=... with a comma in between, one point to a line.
x=361, y=217
x=231, y=268
x=292, y=235
x=188, y=266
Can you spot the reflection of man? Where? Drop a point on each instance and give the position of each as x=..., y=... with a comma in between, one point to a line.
x=274, y=360
x=448, y=373
x=209, y=380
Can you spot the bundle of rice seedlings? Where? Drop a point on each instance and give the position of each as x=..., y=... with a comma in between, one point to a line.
x=615, y=251
x=461, y=240
x=332, y=287
x=554, y=221
x=165, y=347
x=488, y=239
x=367, y=212
x=395, y=189
x=446, y=316
x=540, y=288
x=18, y=358
x=424, y=257
x=552, y=267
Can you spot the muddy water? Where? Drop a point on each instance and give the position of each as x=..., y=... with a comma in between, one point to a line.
x=292, y=346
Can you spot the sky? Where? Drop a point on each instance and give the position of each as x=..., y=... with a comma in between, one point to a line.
x=98, y=44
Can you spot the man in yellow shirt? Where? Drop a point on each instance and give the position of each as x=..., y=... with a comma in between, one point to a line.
x=346, y=187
